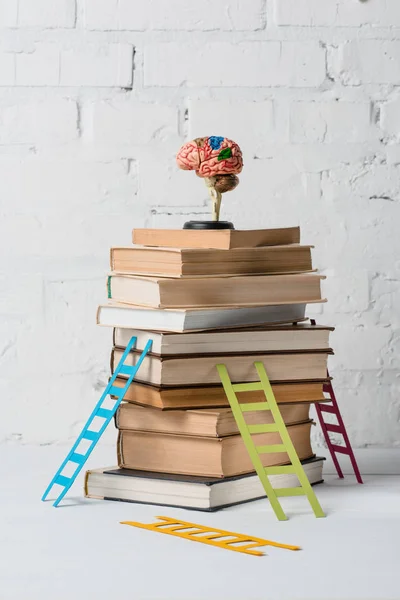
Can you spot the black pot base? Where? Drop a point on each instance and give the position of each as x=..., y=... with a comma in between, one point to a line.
x=199, y=225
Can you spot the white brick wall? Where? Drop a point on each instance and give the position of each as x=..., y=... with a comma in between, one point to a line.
x=247, y=64
x=208, y=15
x=95, y=98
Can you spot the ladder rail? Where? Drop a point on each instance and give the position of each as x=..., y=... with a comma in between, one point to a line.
x=93, y=436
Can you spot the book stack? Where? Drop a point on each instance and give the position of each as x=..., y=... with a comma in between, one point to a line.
x=204, y=298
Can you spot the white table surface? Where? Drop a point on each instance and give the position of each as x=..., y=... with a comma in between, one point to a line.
x=80, y=550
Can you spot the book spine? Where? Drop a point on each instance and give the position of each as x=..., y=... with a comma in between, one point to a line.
x=109, y=293
x=119, y=450
x=85, y=484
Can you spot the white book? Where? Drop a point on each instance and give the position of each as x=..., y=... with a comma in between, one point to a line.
x=180, y=320
x=198, y=493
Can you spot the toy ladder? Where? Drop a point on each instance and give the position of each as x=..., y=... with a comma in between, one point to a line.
x=333, y=409
x=254, y=451
x=76, y=459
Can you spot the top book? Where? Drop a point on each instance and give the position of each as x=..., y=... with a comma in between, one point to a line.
x=223, y=239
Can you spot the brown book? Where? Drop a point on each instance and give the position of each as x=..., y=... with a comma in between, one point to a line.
x=201, y=370
x=170, y=399
x=261, y=339
x=191, y=262
x=206, y=422
x=256, y=290
x=204, y=456
x=223, y=239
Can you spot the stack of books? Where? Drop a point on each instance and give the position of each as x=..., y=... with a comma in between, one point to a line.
x=204, y=298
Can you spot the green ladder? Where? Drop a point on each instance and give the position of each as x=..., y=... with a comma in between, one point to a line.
x=254, y=451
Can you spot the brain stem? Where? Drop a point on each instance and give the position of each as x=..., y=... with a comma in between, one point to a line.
x=216, y=197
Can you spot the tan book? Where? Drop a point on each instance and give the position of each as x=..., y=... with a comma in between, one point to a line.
x=170, y=399
x=196, y=319
x=201, y=370
x=223, y=239
x=206, y=422
x=261, y=339
x=256, y=290
x=204, y=456
x=191, y=262
x=179, y=398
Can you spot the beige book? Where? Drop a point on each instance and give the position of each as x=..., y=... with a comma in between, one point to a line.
x=201, y=370
x=224, y=239
x=206, y=422
x=261, y=339
x=190, y=262
x=257, y=290
x=204, y=456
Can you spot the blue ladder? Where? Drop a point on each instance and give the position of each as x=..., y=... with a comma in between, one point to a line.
x=78, y=459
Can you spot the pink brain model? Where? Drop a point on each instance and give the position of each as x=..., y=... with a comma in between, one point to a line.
x=217, y=160
x=210, y=157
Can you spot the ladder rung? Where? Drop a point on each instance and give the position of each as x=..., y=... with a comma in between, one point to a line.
x=297, y=491
x=279, y=470
x=90, y=435
x=115, y=391
x=340, y=449
x=61, y=480
x=248, y=387
x=77, y=458
x=104, y=413
x=327, y=408
x=254, y=406
x=333, y=428
x=271, y=448
x=263, y=428
x=126, y=370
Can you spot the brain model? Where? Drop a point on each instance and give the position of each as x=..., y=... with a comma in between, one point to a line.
x=217, y=160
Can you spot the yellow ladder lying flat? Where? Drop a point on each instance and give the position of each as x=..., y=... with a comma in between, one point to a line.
x=254, y=451
x=213, y=537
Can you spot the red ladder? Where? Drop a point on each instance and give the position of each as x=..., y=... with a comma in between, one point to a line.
x=333, y=409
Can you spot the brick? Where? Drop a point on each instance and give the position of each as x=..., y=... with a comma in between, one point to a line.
x=370, y=342
x=336, y=13
x=38, y=68
x=92, y=65
x=8, y=13
x=66, y=187
x=330, y=122
x=305, y=12
x=251, y=124
x=347, y=291
x=46, y=13
x=135, y=15
x=383, y=13
x=7, y=68
x=125, y=123
x=390, y=117
x=47, y=122
x=247, y=64
x=162, y=184
x=369, y=61
x=21, y=295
